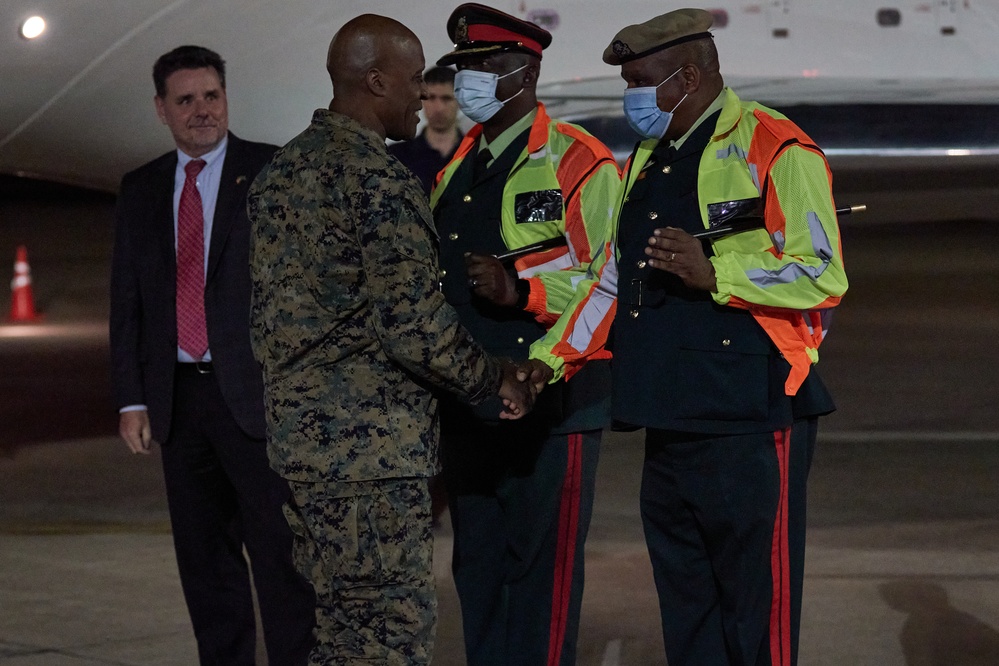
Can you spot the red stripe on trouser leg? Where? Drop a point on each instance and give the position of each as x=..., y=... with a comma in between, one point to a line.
x=780, y=605
x=565, y=549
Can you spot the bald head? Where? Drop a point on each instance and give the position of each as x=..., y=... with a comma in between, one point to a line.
x=376, y=65
x=365, y=43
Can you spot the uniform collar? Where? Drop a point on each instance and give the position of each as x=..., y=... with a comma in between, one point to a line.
x=506, y=137
x=335, y=120
x=715, y=105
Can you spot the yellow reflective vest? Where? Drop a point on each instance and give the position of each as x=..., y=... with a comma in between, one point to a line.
x=788, y=275
x=563, y=157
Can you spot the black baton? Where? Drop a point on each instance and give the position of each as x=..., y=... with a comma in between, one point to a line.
x=740, y=224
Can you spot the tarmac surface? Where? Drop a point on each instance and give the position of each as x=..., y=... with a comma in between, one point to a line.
x=903, y=545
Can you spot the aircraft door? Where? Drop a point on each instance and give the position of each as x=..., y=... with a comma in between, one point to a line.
x=949, y=15
x=779, y=18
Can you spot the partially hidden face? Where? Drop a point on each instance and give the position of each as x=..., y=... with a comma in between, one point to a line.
x=440, y=107
x=406, y=92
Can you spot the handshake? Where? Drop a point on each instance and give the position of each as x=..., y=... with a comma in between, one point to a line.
x=522, y=382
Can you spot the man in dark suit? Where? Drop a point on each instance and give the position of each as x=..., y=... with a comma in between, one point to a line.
x=184, y=373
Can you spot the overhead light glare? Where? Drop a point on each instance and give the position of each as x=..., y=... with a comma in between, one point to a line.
x=33, y=27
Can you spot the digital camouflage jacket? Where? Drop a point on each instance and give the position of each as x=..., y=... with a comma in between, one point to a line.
x=347, y=319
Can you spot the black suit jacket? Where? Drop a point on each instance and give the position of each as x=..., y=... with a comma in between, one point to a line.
x=144, y=290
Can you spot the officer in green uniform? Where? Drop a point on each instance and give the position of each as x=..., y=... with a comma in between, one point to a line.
x=353, y=334
x=714, y=341
x=521, y=493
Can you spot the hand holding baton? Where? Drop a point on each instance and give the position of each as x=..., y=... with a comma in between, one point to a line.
x=731, y=226
x=547, y=244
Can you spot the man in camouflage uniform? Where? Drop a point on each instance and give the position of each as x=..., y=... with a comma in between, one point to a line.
x=352, y=332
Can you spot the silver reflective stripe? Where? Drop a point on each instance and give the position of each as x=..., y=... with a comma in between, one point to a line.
x=557, y=264
x=729, y=150
x=825, y=317
x=790, y=272
x=732, y=149
x=597, y=306
x=820, y=241
x=778, y=240
x=821, y=318
x=785, y=275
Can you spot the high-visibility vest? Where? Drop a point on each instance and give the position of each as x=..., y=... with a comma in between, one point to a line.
x=559, y=156
x=790, y=294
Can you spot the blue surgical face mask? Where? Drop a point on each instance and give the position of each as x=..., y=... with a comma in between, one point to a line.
x=476, y=93
x=644, y=114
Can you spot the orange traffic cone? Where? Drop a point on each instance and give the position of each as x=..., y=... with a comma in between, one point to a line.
x=22, y=305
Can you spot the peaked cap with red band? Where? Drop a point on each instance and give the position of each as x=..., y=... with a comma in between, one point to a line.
x=480, y=30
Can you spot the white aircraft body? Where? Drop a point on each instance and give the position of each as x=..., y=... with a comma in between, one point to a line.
x=878, y=85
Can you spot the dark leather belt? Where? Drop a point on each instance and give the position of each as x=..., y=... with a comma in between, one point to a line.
x=199, y=367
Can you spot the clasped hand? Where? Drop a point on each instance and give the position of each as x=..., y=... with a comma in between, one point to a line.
x=522, y=382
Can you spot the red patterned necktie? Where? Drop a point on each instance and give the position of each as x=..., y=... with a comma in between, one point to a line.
x=192, y=332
